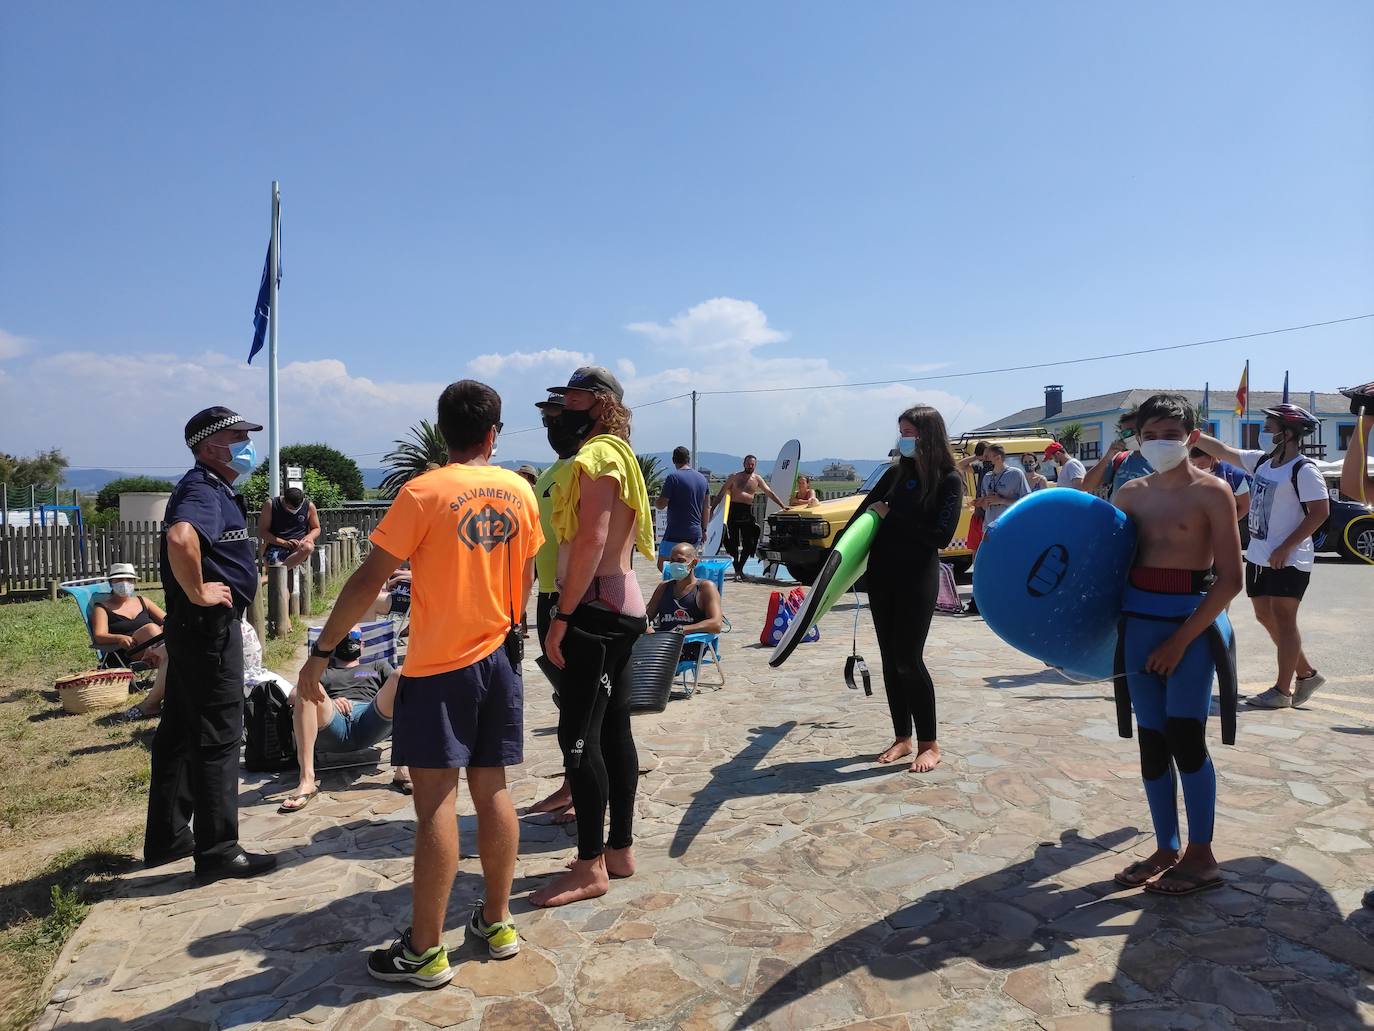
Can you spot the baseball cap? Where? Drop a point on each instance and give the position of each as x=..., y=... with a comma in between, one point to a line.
x=1053, y=449
x=210, y=421
x=552, y=401
x=596, y=378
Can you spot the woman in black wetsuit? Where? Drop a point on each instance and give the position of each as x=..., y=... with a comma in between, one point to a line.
x=918, y=500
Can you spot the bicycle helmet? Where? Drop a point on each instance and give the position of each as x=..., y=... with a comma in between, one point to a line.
x=1291, y=417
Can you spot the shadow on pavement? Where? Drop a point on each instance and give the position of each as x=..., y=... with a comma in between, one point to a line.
x=1271, y=944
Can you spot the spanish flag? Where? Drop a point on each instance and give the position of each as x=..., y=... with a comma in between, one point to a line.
x=1243, y=391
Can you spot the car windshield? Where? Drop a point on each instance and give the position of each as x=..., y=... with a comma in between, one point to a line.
x=872, y=479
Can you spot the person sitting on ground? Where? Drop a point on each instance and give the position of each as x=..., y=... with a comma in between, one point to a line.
x=684, y=604
x=1034, y=476
x=288, y=527
x=355, y=715
x=122, y=623
x=803, y=495
x=1071, y=471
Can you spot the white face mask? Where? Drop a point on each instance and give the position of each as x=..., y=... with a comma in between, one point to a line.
x=123, y=588
x=1163, y=455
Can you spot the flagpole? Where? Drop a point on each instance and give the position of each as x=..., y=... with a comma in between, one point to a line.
x=273, y=425
x=1241, y=442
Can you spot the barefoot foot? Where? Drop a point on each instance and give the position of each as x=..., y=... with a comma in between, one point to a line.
x=564, y=816
x=927, y=758
x=560, y=799
x=585, y=879
x=899, y=749
x=620, y=862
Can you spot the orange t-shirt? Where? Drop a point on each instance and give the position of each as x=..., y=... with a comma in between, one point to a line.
x=470, y=532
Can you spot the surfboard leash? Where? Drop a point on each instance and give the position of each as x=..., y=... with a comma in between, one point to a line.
x=855, y=663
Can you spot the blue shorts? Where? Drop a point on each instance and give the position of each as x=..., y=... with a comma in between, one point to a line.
x=362, y=728
x=474, y=716
x=665, y=547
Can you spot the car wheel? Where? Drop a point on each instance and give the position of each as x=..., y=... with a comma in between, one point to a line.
x=1357, y=543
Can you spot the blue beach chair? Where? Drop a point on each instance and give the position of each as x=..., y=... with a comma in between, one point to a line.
x=84, y=592
x=712, y=569
x=379, y=640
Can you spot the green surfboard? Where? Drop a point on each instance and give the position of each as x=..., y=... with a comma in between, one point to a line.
x=843, y=566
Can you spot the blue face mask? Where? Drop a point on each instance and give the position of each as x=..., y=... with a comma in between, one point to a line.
x=242, y=457
x=906, y=447
x=678, y=570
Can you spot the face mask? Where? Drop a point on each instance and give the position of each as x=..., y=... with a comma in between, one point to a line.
x=561, y=440
x=906, y=447
x=123, y=589
x=1163, y=455
x=242, y=457
x=577, y=425
x=1277, y=439
x=1132, y=444
x=678, y=570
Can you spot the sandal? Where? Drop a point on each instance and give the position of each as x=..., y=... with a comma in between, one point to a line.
x=403, y=785
x=1129, y=877
x=303, y=799
x=1193, y=883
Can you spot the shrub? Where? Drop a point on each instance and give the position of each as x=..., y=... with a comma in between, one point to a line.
x=333, y=465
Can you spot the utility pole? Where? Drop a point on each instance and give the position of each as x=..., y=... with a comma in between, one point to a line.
x=694, y=429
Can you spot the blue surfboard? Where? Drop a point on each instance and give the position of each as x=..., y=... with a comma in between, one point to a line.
x=1050, y=575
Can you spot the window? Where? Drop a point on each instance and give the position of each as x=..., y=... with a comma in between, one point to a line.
x=1212, y=428
x=1250, y=436
x=1090, y=450
x=1345, y=432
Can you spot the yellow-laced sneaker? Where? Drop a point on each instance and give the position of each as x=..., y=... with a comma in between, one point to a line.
x=502, y=940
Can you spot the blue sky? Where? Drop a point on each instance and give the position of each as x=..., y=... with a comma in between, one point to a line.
x=716, y=196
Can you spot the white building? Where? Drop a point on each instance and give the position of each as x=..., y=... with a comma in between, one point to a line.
x=1098, y=415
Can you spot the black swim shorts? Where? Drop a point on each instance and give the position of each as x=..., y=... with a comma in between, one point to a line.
x=1266, y=582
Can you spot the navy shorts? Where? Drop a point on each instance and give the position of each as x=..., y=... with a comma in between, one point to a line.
x=474, y=716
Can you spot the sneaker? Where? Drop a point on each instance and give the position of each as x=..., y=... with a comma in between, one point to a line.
x=1305, y=687
x=399, y=963
x=1271, y=699
x=502, y=941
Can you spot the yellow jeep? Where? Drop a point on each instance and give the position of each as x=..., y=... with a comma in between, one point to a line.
x=800, y=537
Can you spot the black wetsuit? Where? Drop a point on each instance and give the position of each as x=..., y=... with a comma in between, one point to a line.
x=741, y=534
x=903, y=582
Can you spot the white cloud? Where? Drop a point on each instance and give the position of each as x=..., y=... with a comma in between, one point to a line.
x=553, y=358
x=12, y=345
x=720, y=324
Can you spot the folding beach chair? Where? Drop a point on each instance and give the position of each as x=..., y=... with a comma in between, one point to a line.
x=84, y=592
x=379, y=640
x=709, y=651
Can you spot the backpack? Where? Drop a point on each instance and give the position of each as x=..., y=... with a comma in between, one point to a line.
x=271, y=744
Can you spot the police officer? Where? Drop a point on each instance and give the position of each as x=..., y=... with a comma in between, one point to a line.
x=210, y=575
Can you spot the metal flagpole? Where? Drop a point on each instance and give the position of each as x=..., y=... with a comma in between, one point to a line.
x=273, y=425
x=1241, y=442
x=694, y=429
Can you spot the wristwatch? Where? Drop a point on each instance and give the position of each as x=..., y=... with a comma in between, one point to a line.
x=321, y=653
x=565, y=617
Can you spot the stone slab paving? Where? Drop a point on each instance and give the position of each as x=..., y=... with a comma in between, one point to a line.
x=787, y=882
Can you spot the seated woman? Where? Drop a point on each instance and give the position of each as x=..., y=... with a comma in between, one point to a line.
x=121, y=621
x=803, y=495
x=684, y=604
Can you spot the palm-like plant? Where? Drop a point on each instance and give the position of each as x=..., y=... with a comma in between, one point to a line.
x=413, y=456
x=653, y=474
x=1070, y=435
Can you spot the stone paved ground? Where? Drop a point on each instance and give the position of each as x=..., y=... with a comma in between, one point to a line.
x=787, y=882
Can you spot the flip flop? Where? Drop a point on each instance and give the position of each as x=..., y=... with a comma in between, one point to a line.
x=405, y=787
x=564, y=816
x=1194, y=883
x=305, y=800
x=1151, y=870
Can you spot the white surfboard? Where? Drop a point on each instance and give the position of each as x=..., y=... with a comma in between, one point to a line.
x=783, y=479
x=715, y=529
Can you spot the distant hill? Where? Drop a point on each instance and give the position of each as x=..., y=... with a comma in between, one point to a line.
x=88, y=481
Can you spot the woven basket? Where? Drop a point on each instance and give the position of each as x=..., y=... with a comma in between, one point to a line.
x=94, y=689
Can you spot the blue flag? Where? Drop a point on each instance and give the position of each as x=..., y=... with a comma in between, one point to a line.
x=1285, y=386
x=1207, y=400
x=264, y=307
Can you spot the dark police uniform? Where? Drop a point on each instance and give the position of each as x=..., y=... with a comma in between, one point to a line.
x=195, y=753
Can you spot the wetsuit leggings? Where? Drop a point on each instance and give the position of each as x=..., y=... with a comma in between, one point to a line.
x=902, y=607
x=741, y=536
x=594, y=726
x=1171, y=718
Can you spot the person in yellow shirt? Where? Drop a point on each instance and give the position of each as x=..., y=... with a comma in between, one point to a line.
x=601, y=516
x=470, y=531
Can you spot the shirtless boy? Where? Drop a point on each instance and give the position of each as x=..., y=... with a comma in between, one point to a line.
x=741, y=528
x=1186, y=524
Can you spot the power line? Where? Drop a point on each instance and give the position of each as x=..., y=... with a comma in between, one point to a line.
x=1041, y=365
